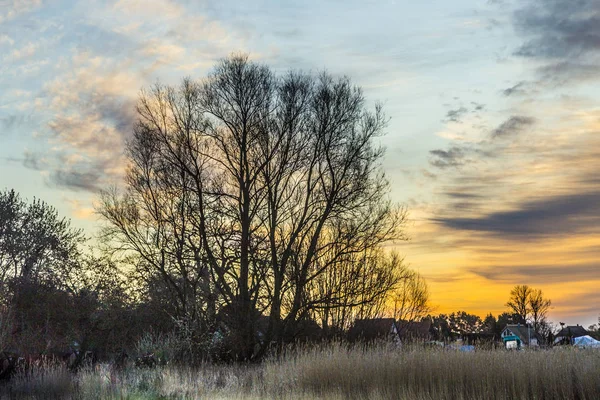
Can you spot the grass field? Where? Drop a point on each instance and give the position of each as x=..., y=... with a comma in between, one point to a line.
x=335, y=372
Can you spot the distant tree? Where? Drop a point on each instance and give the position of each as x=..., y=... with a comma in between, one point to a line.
x=538, y=308
x=440, y=328
x=490, y=324
x=448, y=326
x=530, y=306
x=518, y=302
x=411, y=300
x=594, y=329
x=463, y=322
x=35, y=243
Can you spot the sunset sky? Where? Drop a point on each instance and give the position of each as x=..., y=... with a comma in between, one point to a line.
x=493, y=143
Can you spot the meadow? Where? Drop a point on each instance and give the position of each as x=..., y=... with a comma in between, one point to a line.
x=337, y=372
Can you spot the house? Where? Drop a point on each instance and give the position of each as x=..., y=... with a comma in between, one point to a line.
x=374, y=329
x=519, y=335
x=568, y=334
x=413, y=330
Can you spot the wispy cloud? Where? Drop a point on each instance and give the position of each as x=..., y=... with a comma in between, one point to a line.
x=91, y=95
x=12, y=8
x=6, y=40
x=19, y=54
x=453, y=157
x=512, y=126
x=537, y=274
x=456, y=114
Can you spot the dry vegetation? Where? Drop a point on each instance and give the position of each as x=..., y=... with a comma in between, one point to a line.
x=338, y=372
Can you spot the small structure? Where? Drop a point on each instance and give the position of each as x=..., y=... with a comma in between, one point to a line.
x=568, y=334
x=374, y=329
x=413, y=330
x=586, y=342
x=519, y=336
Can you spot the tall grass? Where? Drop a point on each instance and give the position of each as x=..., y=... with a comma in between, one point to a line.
x=338, y=372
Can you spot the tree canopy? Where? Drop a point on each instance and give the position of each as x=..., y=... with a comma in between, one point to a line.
x=250, y=194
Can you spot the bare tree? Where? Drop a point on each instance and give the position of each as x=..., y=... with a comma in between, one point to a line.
x=246, y=190
x=539, y=307
x=411, y=300
x=518, y=302
x=529, y=305
x=358, y=287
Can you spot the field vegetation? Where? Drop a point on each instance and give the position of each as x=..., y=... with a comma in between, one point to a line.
x=337, y=372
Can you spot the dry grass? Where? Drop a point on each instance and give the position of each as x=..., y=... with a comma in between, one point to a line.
x=335, y=372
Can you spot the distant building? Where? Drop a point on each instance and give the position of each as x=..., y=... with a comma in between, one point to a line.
x=568, y=334
x=413, y=330
x=374, y=329
x=519, y=335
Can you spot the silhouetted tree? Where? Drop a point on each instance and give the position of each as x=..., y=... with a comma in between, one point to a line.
x=539, y=307
x=530, y=306
x=246, y=190
x=490, y=324
x=448, y=326
x=411, y=300
x=35, y=243
x=518, y=302
x=355, y=288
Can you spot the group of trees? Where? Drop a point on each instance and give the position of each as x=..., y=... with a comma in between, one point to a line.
x=525, y=306
x=54, y=294
x=250, y=199
x=252, y=202
x=529, y=305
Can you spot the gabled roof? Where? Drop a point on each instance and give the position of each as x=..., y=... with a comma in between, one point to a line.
x=414, y=329
x=371, y=329
x=523, y=332
x=572, y=331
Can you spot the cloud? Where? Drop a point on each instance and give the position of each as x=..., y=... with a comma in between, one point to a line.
x=12, y=8
x=456, y=114
x=564, y=35
x=513, y=125
x=34, y=161
x=559, y=29
x=75, y=179
x=544, y=217
x=539, y=273
x=561, y=73
x=477, y=106
x=11, y=123
x=93, y=111
x=462, y=195
x=80, y=209
x=515, y=90
x=5, y=39
x=453, y=157
x=23, y=52
x=158, y=8
x=582, y=304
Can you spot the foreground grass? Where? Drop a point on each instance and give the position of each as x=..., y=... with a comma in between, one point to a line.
x=336, y=372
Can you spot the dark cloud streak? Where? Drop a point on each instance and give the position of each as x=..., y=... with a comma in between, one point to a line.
x=534, y=273
x=514, y=125
x=453, y=157
x=552, y=216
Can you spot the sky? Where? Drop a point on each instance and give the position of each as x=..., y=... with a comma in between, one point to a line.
x=494, y=135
